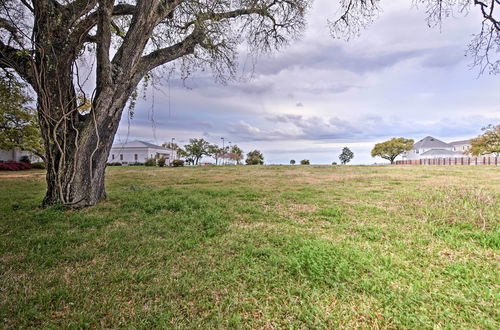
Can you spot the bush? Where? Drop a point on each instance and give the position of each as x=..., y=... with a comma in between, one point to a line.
x=177, y=163
x=334, y=163
x=39, y=165
x=150, y=162
x=14, y=166
x=161, y=161
x=305, y=162
x=25, y=159
x=115, y=164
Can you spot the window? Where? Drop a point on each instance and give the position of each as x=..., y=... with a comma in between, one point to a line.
x=121, y=157
x=135, y=157
x=113, y=156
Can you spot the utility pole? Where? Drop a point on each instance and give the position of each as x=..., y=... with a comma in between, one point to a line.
x=172, y=148
x=223, y=151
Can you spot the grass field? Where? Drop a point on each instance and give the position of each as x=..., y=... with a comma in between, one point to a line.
x=257, y=247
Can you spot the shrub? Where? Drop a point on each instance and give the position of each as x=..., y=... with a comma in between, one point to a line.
x=334, y=163
x=115, y=164
x=161, y=161
x=39, y=165
x=305, y=162
x=25, y=159
x=150, y=162
x=14, y=166
x=177, y=163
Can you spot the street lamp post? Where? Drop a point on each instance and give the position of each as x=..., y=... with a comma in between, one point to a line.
x=223, y=151
x=172, y=148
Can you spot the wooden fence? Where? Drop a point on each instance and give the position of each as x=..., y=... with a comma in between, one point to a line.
x=452, y=161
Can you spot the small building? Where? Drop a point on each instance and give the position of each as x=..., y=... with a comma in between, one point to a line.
x=15, y=155
x=430, y=147
x=138, y=152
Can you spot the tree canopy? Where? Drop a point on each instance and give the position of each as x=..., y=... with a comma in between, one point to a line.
x=392, y=148
x=18, y=121
x=255, y=158
x=196, y=149
x=346, y=155
x=488, y=142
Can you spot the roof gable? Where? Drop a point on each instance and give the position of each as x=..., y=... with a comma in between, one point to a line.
x=430, y=142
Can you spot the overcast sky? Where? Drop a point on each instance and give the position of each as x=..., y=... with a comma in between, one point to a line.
x=399, y=78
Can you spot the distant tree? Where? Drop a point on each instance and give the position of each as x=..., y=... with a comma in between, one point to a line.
x=196, y=149
x=488, y=142
x=392, y=148
x=334, y=163
x=292, y=162
x=18, y=121
x=305, y=162
x=346, y=155
x=214, y=151
x=254, y=158
x=150, y=162
x=237, y=154
x=161, y=161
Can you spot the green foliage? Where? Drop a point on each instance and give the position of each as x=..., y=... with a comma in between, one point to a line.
x=150, y=162
x=305, y=162
x=215, y=151
x=392, y=148
x=346, y=156
x=292, y=162
x=236, y=154
x=18, y=122
x=196, y=149
x=255, y=158
x=177, y=163
x=488, y=142
x=38, y=165
x=161, y=162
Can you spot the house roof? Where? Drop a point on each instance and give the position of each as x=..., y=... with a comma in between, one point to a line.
x=454, y=143
x=430, y=142
x=138, y=144
x=433, y=152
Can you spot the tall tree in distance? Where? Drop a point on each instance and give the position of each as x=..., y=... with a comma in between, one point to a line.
x=18, y=121
x=255, y=158
x=346, y=156
x=196, y=149
x=215, y=151
x=487, y=143
x=392, y=148
x=236, y=154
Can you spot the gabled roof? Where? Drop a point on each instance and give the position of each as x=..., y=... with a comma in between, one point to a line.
x=430, y=142
x=138, y=144
x=454, y=143
x=433, y=152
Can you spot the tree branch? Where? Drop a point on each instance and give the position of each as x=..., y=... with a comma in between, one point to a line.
x=17, y=59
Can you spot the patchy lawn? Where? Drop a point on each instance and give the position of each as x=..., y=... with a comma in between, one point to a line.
x=257, y=247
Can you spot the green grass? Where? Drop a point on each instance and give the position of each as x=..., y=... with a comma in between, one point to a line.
x=257, y=247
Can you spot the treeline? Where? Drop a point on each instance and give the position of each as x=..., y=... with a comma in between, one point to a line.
x=196, y=149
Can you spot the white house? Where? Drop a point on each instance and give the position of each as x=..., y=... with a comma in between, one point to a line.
x=15, y=155
x=138, y=152
x=430, y=147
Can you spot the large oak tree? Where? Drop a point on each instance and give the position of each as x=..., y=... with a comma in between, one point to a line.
x=43, y=41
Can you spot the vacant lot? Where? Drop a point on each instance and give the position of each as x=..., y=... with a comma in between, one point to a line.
x=257, y=247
